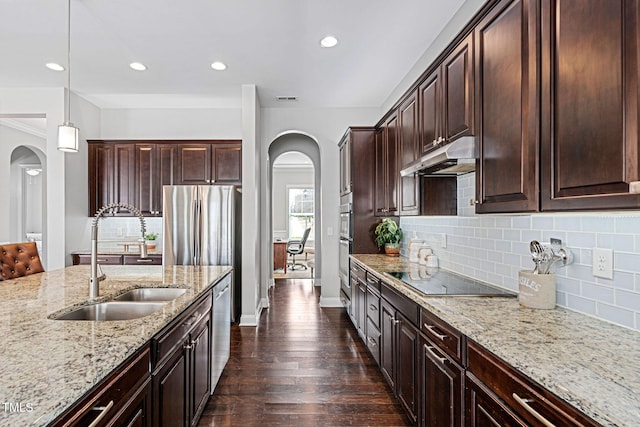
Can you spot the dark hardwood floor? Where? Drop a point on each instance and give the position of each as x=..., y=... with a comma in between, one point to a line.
x=302, y=366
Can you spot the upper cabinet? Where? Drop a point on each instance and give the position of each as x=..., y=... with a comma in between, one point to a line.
x=446, y=99
x=345, y=147
x=202, y=163
x=386, y=168
x=507, y=82
x=134, y=172
x=407, y=152
x=590, y=107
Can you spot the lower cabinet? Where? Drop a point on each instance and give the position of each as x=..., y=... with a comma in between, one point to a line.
x=442, y=391
x=406, y=382
x=182, y=373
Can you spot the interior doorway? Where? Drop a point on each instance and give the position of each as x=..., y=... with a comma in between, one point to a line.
x=293, y=212
x=294, y=208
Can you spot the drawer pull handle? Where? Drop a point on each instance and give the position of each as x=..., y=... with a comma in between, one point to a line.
x=525, y=404
x=102, y=260
x=143, y=260
x=373, y=307
x=104, y=410
x=187, y=346
x=432, y=329
x=372, y=341
x=433, y=354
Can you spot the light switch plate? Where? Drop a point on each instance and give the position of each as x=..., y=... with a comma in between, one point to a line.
x=443, y=240
x=603, y=263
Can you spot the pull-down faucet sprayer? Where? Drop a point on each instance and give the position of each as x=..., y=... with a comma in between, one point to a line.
x=96, y=272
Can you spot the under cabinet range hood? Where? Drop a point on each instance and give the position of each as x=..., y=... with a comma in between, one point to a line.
x=456, y=158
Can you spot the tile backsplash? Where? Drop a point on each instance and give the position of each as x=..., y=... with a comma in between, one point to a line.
x=117, y=229
x=493, y=248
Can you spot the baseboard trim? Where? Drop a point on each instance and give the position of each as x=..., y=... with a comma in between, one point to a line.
x=252, y=320
x=330, y=302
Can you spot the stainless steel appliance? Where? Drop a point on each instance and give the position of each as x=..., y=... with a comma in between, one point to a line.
x=438, y=282
x=220, y=335
x=346, y=243
x=201, y=227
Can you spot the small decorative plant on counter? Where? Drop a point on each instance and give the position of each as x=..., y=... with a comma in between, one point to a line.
x=151, y=240
x=389, y=235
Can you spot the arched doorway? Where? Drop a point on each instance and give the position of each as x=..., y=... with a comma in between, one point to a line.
x=307, y=147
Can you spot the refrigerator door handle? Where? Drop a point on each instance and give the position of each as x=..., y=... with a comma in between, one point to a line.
x=195, y=232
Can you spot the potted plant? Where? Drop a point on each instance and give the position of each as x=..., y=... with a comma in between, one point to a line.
x=151, y=240
x=389, y=235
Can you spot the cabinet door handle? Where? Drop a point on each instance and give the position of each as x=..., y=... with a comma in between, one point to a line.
x=433, y=354
x=525, y=404
x=392, y=209
x=104, y=410
x=187, y=346
x=372, y=341
x=432, y=329
x=373, y=307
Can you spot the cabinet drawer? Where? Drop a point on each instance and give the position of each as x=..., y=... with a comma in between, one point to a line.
x=373, y=282
x=404, y=305
x=447, y=338
x=373, y=340
x=358, y=271
x=102, y=259
x=111, y=396
x=373, y=308
x=528, y=400
x=176, y=334
x=136, y=260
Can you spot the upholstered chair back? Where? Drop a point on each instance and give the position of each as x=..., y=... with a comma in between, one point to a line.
x=19, y=259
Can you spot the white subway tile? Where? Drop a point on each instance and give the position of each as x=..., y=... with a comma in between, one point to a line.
x=542, y=222
x=617, y=315
x=521, y=222
x=581, y=240
x=630, y=300
x=627, y=224
x=626, y=262
x=617, y=242
x=567, y=223
x=598, y=224
x=581, y=304
x=597, y=292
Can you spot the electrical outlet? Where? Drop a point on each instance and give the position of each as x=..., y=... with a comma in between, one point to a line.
x=603, y=263
x=443, y=240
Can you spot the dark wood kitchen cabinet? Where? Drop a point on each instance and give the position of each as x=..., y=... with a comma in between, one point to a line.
x=507, y=81
x=409, y=186
x=134, y=171
x=155, y=164
x=497, y=394
x=357, y=176
x=590, y=109
x=446, y=99
x=182, y=368
x=111, y=176
x=202, y=163
x=386, y=168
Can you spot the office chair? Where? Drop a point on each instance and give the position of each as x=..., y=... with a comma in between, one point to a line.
x=18, y=260
x=296, y=247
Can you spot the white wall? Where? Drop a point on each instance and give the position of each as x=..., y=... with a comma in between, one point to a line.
x=172, y=123
x=494, y=248
x=47, y=102
x=326, y=126
x=282, y=179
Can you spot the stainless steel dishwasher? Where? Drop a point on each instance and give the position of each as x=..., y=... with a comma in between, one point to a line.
x=221, y=329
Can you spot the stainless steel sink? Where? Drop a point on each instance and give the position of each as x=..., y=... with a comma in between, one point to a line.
x=151, y=294
x=113, y=310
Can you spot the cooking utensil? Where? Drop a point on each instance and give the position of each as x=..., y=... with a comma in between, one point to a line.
x=536, y=250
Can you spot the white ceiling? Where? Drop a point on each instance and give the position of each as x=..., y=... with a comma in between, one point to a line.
x=273, y=44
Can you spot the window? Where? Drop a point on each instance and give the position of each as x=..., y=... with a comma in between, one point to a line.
x=301, y=212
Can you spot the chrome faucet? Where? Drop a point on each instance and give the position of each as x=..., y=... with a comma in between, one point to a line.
x=96, y=272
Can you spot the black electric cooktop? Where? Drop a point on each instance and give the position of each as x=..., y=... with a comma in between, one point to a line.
x=438, y=282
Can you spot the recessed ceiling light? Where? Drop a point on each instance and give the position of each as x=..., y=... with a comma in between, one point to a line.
x=219, y=66
x=53, y=66
x=329, y=41
x=138, y=66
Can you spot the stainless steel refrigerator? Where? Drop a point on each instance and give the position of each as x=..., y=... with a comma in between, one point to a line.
x=201, y=227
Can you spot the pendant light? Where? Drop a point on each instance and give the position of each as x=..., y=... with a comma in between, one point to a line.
x=67, y=132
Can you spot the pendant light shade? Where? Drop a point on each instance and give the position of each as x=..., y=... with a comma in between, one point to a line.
x=68, y=137
x=67, y=132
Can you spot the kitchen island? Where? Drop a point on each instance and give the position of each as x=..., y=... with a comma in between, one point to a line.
x=50, y=364
x=592, y=365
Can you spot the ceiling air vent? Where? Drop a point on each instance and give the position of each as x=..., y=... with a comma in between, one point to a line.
x=287, y=98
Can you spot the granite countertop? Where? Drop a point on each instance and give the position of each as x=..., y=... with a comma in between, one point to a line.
x=47, y=365
x=591, y=364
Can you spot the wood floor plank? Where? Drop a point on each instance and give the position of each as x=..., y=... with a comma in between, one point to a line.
x=302, y=366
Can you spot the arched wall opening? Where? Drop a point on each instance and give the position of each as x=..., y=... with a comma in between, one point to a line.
x=307, y=145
